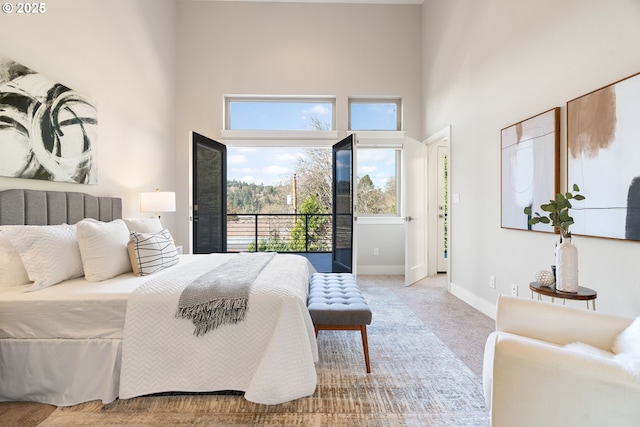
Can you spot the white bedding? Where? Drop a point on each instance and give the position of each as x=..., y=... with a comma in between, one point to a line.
x=73, y=309
x=63, y=345
x=270, y=355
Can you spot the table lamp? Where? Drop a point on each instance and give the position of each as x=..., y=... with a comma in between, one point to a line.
x=158, y=201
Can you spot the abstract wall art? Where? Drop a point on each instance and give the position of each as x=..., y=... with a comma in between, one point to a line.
x=530, y=156
x=603, y=158
x=47, y=130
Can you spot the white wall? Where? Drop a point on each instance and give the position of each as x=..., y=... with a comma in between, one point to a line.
x=121, y=54
x=295, y=49
x=489, y=64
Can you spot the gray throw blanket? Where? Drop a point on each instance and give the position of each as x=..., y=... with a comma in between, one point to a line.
x=221, y=295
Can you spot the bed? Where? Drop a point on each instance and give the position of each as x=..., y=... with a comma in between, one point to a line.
x=119, y=337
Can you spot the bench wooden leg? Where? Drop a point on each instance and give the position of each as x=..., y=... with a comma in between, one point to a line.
x=365, y=346
x=363, y=332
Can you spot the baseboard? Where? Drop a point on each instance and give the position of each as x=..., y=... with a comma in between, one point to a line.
x=380, y=270
x=473, y=300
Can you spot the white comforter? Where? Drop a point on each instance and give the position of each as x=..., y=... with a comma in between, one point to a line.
x=270, y=356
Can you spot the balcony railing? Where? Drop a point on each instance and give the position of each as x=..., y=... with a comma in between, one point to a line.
x=279, y=232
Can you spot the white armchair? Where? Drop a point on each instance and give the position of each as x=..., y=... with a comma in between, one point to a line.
x=531, y=379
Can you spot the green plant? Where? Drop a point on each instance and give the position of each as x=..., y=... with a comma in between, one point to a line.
x=558, y=211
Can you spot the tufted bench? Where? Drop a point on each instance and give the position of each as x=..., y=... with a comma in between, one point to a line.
x=336, y=303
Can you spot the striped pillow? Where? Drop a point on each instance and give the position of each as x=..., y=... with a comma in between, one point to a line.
x=151, y=252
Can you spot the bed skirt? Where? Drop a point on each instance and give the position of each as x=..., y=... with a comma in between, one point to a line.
x=60, y=372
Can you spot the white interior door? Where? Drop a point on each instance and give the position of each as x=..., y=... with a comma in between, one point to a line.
x=415, y=173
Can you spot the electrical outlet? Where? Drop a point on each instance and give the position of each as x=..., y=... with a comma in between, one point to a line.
x=492, y=282
x=514, y=289
x=376, y=252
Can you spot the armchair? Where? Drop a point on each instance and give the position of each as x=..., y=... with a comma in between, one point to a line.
x=531, y=379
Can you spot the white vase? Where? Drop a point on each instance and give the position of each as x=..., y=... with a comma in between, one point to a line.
x=566, y=266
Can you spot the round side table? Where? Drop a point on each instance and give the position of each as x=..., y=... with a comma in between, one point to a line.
x=583, y=294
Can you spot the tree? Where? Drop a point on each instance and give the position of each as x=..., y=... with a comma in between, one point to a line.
x=310, y=231
x=314, y=175
x=370, y=198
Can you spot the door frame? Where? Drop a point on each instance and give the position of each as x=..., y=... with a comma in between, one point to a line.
x=432, y=207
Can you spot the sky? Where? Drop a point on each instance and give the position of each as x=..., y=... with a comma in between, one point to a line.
x=270, y=166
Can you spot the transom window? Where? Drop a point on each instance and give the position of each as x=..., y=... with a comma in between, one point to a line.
x=375, y=114
x=279, y=113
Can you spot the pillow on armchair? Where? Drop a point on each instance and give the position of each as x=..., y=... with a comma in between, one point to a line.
x=627, y=348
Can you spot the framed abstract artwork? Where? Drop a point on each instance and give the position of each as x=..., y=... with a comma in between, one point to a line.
x=530, y=170
x=603, y=159
x=47, y=130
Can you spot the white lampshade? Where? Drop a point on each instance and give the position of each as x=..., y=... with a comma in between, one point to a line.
x=158, y=201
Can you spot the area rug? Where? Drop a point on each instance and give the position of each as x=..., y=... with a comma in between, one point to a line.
x=415, y=380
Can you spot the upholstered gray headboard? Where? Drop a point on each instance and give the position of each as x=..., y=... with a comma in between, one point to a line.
x=35, y=207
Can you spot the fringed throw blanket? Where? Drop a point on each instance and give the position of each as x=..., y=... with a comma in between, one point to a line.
x=221, y=295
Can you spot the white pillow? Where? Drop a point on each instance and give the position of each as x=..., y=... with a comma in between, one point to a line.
x=627, y=348
x=103, y=248
x=12, y=270
x=628, y=341
x=144, y=225
x=50, y=253
x=151, y=252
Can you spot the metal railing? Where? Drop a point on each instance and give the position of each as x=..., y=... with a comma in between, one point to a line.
x=279, y=232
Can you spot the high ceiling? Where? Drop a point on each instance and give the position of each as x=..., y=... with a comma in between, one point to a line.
x=331, y=1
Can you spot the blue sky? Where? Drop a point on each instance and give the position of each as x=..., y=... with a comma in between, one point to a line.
x=267, y=166
x=279, y=115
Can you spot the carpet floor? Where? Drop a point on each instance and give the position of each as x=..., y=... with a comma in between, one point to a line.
x=426, y=356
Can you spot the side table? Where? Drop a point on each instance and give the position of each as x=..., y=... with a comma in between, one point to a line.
x=583, y=294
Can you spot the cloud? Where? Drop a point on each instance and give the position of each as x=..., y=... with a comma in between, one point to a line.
x=317, y=109
x=276, y=170
x=247, y=178
x=236, y=159
x=286, y=157
x=366, y=170
x=365, y=155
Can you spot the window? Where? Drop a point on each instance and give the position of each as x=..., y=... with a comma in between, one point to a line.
x=375, y=114
x=378, y=181
x=279, y=113
x=249, y=119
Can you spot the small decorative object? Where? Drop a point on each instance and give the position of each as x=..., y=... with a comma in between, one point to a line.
x=544, y=278
x=566, y=252
x=567, y=265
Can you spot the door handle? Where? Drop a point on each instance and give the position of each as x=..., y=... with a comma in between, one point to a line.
x=409, y=218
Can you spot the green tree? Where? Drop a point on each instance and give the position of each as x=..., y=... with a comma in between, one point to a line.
x=314, y=176
x=310, y=230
